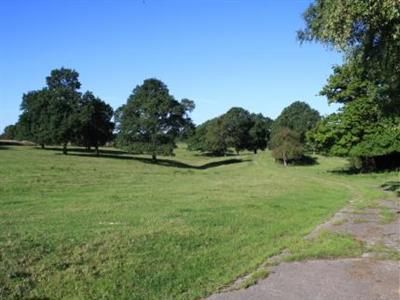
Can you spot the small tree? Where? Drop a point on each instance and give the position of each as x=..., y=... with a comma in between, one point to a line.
x=286, y=145
x=152, y=119
x=95, y=126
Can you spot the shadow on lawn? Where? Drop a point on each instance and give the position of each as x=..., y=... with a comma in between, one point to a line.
x=392, y=186
x=115, y=154
x=83, y=150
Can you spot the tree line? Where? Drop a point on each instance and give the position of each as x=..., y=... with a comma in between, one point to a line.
x=60, y=114
x=151, y=121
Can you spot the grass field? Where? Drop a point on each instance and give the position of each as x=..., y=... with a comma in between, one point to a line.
x=120, y=227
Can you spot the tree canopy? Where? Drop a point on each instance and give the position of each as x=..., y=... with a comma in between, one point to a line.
x=60, y=114
x=9, y=132
x=298, y=116
x=367, y=84
x=151, y=119
x=94, y=121
x=237, y=129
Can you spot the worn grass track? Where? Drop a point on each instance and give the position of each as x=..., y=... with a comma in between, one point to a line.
x=118, y=227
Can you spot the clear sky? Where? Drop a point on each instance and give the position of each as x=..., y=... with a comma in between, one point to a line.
x=219, y=53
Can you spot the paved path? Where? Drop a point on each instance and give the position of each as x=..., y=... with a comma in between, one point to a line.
x=360, y=278
x=364, y=278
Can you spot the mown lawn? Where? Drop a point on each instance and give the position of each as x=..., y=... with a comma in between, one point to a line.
x=117, y=227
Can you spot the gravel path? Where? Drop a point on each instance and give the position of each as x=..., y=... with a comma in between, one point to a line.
x=366, y=278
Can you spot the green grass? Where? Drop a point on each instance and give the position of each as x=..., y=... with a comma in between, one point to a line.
x=326, y=245
x=254, y=278
x=386, y=215
x=384, y=252
x=82, y=227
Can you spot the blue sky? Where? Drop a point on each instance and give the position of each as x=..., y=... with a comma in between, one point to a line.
x=219, y=53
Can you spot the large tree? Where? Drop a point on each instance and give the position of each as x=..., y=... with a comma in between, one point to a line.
x=151, y=119
x=94, y=121
x=298, y=116
x=367, y=84
x=259, y=132
x=237, y=123
x=63, y=85
x=34, y=121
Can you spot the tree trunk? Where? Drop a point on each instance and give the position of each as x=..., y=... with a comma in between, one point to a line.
x=97, y=150
x=42, y=146
x=255, y=151
x=154, y=157
x=65, y=148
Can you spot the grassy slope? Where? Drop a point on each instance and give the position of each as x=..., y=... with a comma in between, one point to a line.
x=87, y=227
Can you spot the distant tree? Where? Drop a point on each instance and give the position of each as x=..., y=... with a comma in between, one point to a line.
x=210, y=137
x=152, y=119
x=63, y=85
x=9, y=132
x=298, y=116
x=236, y=126
x=259, y=133
x=286, y=145
x=94, y=121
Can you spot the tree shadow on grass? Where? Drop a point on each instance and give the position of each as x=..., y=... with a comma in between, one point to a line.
x=306, y=161
x=83, y=150
x=392, y=186
x=160, y=162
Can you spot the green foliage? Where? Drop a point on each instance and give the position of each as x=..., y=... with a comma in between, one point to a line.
x=34, y=122
x=236, y=129
x=298, y=116
x=210, y=137
x=50, y=115
x=259, y=132
x=364, y=126
x=63, y=79
x=370, y=29
x=95, y=126
x=152, y=119
x=64, y=106
x=286, y=145
x=237, y=123
x=367, y=84
x=9, y=132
